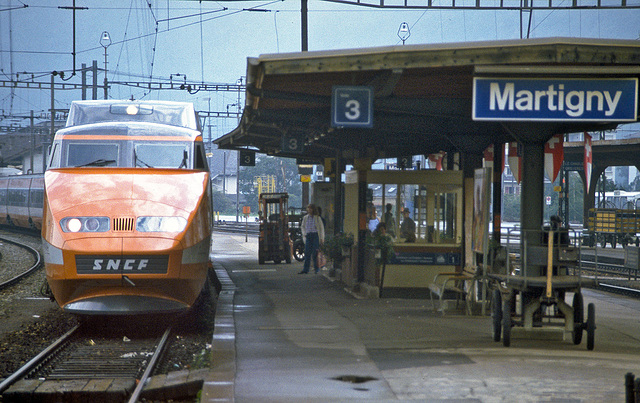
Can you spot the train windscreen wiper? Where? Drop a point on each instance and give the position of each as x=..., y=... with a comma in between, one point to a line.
x=140, y=162
x=101, y=162
x=185, y=158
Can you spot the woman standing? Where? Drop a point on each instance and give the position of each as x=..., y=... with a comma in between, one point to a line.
x=313, y=236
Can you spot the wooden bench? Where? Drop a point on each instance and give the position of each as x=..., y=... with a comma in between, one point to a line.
x=462, y=283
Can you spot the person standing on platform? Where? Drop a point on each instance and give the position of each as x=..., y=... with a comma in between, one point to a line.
x=390, y=220
x=408, y=227
x=313, y=236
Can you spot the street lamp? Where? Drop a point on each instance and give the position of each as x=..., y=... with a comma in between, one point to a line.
x=105, y=41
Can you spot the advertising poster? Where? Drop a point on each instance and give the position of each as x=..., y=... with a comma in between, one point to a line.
x=481, y=199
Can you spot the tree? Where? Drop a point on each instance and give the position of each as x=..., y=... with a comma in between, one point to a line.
x=222, y=204
x=511, y=207
x=576, y=198
x=286, y=176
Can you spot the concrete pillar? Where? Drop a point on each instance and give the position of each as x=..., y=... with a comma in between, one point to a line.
x=498, y=156
x=362, y=165
x=531, y=202
x=337, y=194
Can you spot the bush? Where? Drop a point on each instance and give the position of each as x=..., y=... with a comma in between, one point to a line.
x=332, y=247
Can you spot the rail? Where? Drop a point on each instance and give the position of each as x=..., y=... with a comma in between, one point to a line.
x=151, y=366
x=237, y=227
x=610, y=272
x=76, y=357
x=35, y=361
x=36, y=255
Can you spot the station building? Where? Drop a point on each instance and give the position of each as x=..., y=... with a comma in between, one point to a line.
x=353, y=107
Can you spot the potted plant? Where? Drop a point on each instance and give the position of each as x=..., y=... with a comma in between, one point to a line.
x=334, y=246
x=383, y=246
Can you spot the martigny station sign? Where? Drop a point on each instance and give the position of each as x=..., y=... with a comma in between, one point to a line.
x=555, y=99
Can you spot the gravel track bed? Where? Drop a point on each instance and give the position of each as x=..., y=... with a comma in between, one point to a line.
x=23, y=335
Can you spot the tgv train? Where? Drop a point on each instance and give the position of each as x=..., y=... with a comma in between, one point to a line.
x=126, y=224
x=21, y=199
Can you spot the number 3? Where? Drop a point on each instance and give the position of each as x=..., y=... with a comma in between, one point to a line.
x=353, y=109
x=293, y=144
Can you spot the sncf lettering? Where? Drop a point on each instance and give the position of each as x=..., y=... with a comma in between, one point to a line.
x=119, y=264
x=97, y=265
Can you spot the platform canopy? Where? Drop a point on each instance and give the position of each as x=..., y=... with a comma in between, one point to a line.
x=423, y=96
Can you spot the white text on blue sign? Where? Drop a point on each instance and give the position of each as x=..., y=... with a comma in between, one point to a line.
x=555, y=99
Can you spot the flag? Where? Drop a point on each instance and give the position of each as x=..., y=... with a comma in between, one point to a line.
x=489, y=156
x=515, y=161
x=588, y=159
x=553, y=156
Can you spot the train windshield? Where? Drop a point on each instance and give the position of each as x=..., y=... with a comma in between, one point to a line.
x=83, y=155
x=127, y=154
x=161, y=155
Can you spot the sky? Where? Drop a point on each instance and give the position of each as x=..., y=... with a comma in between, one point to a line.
x=209, y=41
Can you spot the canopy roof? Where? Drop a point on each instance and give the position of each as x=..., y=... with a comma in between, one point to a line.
x=423, y=95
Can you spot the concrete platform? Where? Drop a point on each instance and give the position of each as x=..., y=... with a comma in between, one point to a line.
x=285, y=337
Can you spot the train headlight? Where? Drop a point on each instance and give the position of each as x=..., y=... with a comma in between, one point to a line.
x=74, y=225
x=161, y=224
x=85, y=224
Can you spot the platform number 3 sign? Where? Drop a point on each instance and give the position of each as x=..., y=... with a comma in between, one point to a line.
x=247, y=158
x=352, y=106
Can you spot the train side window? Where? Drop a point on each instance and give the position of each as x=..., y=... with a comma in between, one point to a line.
x=17, y=197
x=54, y=156
x=37, y=198
x=201, y=159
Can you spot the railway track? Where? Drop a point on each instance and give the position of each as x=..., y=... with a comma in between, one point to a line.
x=239, y=228
x=15, y=271
x=84, y=366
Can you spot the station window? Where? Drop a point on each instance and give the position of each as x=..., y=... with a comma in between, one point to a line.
x=434, y=211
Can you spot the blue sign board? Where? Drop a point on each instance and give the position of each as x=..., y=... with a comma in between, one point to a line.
x=573, y=165
x=352, y=106
x=426, y=258
x=555, y=99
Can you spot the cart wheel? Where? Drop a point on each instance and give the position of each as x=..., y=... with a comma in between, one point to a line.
x=602, y=240
x=276, y=261
x=298, y=251
x=260, y=258
x=613, y=241
x=496, y=314
x=578, y=318
x=506, y=323
x=591, y=325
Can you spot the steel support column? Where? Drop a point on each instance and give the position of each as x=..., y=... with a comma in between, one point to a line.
x=531, y=199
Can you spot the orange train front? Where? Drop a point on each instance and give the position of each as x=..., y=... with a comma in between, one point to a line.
x=126, y=223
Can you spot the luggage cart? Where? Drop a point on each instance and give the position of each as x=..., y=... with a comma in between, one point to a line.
x=532, y=293
x=273, y=243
